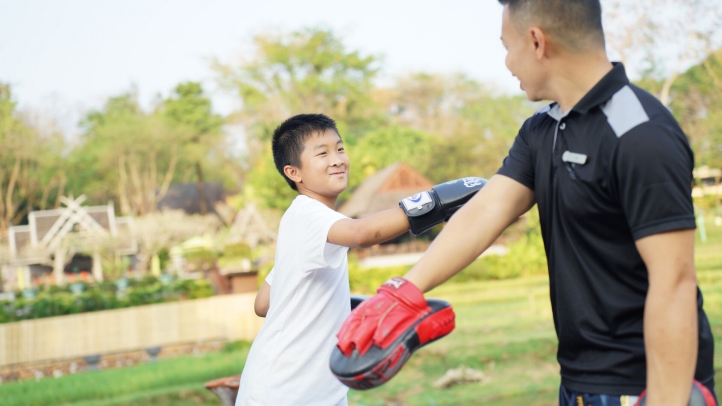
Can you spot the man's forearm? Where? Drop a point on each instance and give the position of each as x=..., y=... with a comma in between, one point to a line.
x=471, y=231
x=671, y=339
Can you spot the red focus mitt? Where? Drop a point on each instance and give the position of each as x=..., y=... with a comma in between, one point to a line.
x=381, y=333
x=700, y=396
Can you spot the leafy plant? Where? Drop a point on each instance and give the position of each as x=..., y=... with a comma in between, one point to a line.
x=58, y=301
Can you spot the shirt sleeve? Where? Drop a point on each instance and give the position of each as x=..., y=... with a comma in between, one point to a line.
x=652, y=168
x=519, y=164
x=269, y=277
x=313, y=223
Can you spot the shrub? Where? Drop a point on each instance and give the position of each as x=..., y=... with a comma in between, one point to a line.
x=58, y=300
x=365, y=281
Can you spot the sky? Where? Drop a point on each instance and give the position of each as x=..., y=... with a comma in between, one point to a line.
x=65, y=57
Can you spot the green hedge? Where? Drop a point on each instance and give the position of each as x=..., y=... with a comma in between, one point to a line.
x=59, y=300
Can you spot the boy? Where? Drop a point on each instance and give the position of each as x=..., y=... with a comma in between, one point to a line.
x=289, y=361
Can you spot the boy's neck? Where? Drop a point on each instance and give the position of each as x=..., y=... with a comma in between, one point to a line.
x=328, y=201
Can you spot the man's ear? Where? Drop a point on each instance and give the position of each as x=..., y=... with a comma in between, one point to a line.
x=292, y=173
x=540, y=42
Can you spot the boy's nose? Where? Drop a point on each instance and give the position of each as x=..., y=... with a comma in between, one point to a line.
x=337, y=161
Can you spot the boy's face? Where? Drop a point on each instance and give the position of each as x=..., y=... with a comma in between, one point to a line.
x=324, y=165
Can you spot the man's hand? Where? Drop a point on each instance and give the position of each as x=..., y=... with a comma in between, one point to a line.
x=380, y=335
x=670, y=316
x=471, y=231
x=701, y=396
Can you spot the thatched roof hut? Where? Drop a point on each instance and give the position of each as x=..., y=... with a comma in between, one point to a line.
x=384, y=189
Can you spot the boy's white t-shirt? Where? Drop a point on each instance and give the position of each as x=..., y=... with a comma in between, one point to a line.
x=288, y=363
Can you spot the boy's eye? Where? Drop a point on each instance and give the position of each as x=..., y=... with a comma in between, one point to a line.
x=322, y=153
x=342, y=149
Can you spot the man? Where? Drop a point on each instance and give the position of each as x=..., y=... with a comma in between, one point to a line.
x=611, y=173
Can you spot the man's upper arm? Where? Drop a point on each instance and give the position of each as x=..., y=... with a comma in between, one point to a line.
x=507, y=196
x=652, y=177
x=669, y=256
x=519, y=164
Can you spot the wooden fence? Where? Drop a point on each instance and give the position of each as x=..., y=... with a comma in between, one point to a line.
x=227, y=317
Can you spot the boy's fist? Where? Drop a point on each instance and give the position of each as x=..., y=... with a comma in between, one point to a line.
x=382, y=332
x=427, y=209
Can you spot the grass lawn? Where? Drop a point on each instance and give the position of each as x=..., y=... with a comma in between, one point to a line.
x=504, y=328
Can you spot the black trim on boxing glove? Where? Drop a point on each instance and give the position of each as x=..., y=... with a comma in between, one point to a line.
x=427, y=209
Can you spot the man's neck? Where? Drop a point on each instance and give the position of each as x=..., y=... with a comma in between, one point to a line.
x=328, y=201
x=576, y=75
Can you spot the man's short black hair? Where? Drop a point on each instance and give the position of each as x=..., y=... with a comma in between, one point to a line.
x=289, y=138
x=575, y=24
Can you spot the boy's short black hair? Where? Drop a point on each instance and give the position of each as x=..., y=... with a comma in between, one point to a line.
x=575, y=24
x=289, y=138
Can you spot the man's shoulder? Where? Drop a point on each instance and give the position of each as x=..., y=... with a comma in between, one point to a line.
x=656, y=111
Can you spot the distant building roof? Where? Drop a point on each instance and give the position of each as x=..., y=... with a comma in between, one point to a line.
x=47, y=227
x=384, y=189
x=184, y=196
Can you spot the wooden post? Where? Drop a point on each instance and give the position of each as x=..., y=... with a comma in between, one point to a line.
x=716, y=195
x=97, y=267
x=59, y=265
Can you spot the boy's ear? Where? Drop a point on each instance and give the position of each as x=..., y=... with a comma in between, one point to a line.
x=292, y=173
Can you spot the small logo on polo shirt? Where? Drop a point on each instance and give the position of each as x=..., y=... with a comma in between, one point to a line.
x=573, y=157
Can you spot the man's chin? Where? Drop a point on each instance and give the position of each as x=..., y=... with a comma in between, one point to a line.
x=533, y=97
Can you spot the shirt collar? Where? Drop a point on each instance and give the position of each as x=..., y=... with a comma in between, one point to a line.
x=600, y=93
x=604, y=89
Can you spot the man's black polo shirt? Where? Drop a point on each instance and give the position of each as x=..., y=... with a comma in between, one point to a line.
x=614, y=169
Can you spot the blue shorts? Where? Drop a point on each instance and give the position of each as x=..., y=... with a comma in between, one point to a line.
x=571, y=398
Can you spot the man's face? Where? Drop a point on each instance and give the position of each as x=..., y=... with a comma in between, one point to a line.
x=324, y=164
x=521, y=57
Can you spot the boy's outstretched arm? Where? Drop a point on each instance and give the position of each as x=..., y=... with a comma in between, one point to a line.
x=471, y=231
x=370, y=230
x=418, y=213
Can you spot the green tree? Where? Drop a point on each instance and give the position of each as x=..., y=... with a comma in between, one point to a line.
x=33, y=172
x=660, y=39
x=696, y=101
x=305, y=71
x=477, y=126
x=385, y=146
x=133, y=152
x=188, y=107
